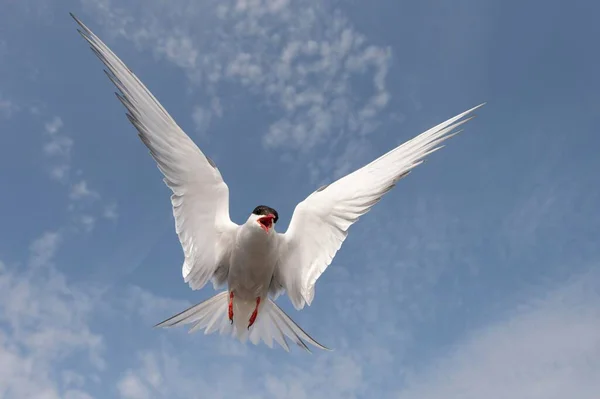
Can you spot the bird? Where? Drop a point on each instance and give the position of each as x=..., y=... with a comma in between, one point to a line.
x=252, y=260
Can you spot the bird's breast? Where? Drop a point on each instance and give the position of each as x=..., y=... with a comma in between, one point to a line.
x=252, y=264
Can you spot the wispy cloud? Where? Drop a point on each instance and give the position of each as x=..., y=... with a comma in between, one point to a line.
x=88, y=222
x=302, y=59
x=43, y=249
x=202, y=116
x=54, y=125
x=144, y=382
x=111, y=212
x=57, y=148
x=158, y=373
x=151, y=307
x=549, y=348
x=7, y=107
x=132, y=386
x=80, y=191
x=45, y=322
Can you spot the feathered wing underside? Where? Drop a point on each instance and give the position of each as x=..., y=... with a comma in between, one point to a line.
x=200, y=197
x=320, y=223
x=272, y=324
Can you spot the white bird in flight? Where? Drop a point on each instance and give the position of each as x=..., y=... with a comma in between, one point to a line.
x=255, y=262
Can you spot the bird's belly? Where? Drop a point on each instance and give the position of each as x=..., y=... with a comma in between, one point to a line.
x=250, y=272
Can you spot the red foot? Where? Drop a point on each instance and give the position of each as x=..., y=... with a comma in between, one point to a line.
x=231, y=307
x=254, y=314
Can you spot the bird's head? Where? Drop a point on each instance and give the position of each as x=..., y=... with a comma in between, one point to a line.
x=264, y=217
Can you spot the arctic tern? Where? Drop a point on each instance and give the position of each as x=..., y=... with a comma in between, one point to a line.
x=255, y=262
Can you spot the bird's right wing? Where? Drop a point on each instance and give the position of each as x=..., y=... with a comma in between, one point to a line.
x=200, y=196
x=320, y=223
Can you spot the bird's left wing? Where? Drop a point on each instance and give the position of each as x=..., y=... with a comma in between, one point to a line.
x=200, y=196
x=320, y=223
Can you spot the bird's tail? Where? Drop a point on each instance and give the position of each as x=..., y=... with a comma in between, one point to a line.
x=272, y=323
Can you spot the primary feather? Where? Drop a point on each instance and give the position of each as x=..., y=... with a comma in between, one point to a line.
x=320, y=223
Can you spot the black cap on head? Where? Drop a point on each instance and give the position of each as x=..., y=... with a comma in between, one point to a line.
x=265, y=210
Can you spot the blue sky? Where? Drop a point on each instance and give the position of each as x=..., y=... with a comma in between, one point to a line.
x=477, y=277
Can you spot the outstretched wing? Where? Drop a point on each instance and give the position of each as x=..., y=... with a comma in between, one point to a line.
x=200, y=197
x=320, y=223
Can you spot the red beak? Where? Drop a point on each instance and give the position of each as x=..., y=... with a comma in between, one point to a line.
x=266, y=222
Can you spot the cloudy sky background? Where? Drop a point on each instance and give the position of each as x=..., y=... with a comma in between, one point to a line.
x=477, y=277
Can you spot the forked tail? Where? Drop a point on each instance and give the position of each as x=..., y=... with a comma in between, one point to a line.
x=272, y=323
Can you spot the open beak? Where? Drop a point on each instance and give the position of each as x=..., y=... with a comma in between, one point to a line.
x=266, y=222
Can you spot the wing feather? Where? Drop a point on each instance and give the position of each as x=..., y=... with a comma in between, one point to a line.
x=320, y=223
x=200, y=197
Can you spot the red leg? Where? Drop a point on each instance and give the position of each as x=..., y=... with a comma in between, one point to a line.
x=231, y=307
x=254, y=314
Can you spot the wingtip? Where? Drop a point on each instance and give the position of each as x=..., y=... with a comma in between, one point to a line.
x=323, y=347
x=75, y=18
x=468, y=114
x=81, y=25
x=158, y=325
x=476, y=107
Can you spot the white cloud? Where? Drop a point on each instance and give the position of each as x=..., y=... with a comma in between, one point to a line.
x=88, y=222
x=159, y=373
x=58, y=149
x=304, y=60
x=145, y=382
x=339, y=377
x=81, y=191
x=59, y=146
x=201, y=117
x=111, y=212
x=72, y=378
x=59, y=172
x=151, y=308
x=76, y=394
x=54, y=125
x=7, y=107
x=43, y=249
x=131, y=387
x=549, y=349
x=44, y=323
